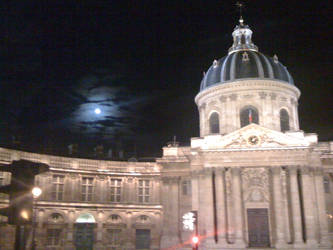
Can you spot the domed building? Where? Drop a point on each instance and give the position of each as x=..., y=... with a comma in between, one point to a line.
x=257, y=179
x=252, y=179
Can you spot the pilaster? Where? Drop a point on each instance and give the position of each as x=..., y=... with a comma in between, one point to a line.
x=324, y=240
x=296, y=208
x=280, y=240
x=309, y=209
x=238, y=208
x=206, y=209
x=221, y=207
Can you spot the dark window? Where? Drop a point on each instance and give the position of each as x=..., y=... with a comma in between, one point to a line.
x=53, y=237
x=249, y=115
x=214, y=124
x=326, y=184
x=242, y=39
x=284, y=120
x=186, y=187
x=113, y=236
x=2, y=178
x=142, y=240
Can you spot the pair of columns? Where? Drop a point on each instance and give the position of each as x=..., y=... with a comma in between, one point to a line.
x=218, y=227
x=307, y=214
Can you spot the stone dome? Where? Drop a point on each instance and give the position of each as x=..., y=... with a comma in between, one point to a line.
x=244, y=62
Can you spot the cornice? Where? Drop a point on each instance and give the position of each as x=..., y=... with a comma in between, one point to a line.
x=243, y=84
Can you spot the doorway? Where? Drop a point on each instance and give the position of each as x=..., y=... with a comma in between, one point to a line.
x=84, y=232
x=258, y=227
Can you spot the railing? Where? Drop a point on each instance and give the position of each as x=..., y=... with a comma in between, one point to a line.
x=8, y=155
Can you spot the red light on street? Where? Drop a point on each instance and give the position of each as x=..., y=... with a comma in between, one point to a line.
x=195, y=239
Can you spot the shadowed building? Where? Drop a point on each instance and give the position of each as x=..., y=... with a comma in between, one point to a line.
x=254, y=178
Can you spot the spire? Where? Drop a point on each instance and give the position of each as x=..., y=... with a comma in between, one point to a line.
x=240, y=5
x=242, y=35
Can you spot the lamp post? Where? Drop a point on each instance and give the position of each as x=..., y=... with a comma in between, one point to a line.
x=36, y=192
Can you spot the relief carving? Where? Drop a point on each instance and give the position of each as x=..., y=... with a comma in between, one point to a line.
x=233, y=97
x=255, y=184
x=223, y=98
x=273, y=96
x=212, y=103
x=262, y=95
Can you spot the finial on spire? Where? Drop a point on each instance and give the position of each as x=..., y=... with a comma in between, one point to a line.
x=240, y=6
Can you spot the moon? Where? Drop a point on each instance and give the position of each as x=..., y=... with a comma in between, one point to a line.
x=98, y=111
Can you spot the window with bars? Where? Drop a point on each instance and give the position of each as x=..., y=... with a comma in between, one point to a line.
x=115, y=186
x=57, y=187
x=87, y=188
x=144, y=191
x=53, y=236
x=113, y=236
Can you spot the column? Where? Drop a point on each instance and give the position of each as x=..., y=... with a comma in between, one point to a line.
x=309, y=209
x=324, y=240
x=207, y=209
x=170, y=236
x=221, y=207
x=278, y=208
x=238, y=207
x=234, y=114
x=295, y=207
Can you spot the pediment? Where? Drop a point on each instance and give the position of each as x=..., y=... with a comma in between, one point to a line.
x=254, y=136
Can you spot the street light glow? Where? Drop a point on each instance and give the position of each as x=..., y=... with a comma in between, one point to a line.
x=24, y=214
x=36, y=192
x=195, y=239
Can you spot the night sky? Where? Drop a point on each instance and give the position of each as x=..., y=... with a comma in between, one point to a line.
x=141, y=63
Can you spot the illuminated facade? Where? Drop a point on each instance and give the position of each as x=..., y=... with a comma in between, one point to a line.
x=254, y=178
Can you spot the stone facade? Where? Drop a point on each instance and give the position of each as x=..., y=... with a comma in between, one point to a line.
x=255, y=180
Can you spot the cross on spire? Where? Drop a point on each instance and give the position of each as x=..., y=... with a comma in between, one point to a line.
x=240, y=6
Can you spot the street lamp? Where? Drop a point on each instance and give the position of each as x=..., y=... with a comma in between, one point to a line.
x=36, y=192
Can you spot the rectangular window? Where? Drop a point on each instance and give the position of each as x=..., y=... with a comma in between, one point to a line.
x=87, y=188
x=115, y=190
x=144, y=192
x=57, y=187
x=113, y=236
x=53, y=237
x=186, y=187
x=142, y=239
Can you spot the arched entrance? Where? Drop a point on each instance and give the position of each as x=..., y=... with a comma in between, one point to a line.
x=84, y=231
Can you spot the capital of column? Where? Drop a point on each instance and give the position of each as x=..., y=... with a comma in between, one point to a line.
x=306, y=170
x=206, y=171
x=235, y=170
x=292, y=169
x=318, y=171
x=276, y=170
x=219, y=171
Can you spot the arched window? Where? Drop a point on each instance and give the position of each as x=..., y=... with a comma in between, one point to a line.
x=249, y=115
x=214, y=123
x=284, y=120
